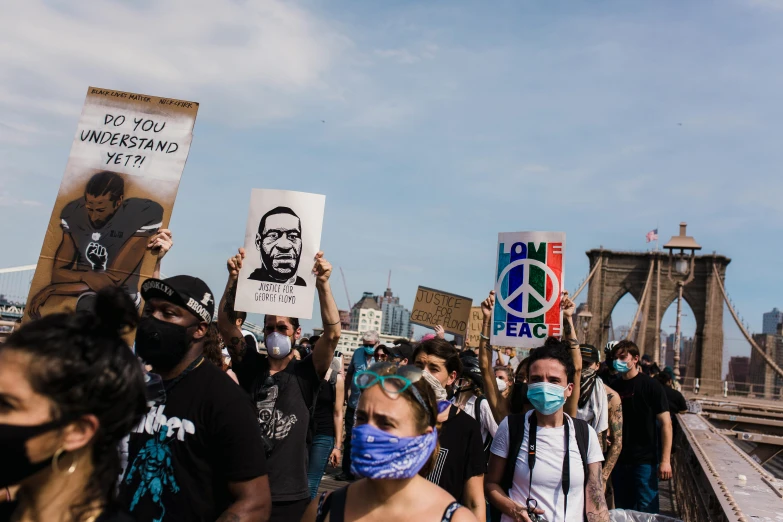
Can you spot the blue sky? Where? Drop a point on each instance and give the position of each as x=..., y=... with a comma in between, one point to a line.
x=445, y=123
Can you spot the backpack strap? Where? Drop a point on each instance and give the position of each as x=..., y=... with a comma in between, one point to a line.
x=582, y=441
x=516, y=432
x=449, y=512
x=333, y=505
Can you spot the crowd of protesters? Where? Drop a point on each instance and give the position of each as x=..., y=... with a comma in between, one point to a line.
x=197, y=420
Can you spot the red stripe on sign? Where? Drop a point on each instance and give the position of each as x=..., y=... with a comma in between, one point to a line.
x=554, y=260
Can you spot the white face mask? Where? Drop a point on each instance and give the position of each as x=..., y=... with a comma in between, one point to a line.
x=440, y=392
x=501, y=385
x=278, y=346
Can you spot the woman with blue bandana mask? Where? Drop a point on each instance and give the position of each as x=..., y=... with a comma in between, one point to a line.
x=395, y=440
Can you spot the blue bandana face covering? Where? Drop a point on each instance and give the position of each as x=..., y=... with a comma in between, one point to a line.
x=621, y=366
x=378, y=455
x=546, y=397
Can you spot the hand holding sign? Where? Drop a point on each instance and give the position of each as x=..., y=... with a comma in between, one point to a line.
x=488, y=305
x=322, y=269
x=234, y=264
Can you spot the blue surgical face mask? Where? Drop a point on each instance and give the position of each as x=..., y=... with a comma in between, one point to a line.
x=378, y=455
x=546, y=397
x=278, y=345
x=369, y=349
x=621, y=366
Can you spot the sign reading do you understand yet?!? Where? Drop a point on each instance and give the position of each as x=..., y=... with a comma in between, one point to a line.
x=528, y=288
x=433, y=308
x=118, y=190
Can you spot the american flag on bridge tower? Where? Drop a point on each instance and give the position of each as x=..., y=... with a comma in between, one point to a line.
x=652, y=235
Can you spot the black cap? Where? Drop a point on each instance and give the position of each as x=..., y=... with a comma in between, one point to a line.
x=589, y=353
x=403, y=351
x=189, y=292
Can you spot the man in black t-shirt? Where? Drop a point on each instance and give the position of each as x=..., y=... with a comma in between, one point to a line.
x=635, y=477
x=461, y=462
x=283, y=389
x=197, y=454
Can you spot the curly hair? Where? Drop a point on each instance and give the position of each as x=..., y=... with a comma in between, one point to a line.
x=84, y=367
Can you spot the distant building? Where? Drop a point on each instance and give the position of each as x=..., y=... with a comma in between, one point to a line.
x=686, y=349
x=739, y=371
x=771, y=321
x=396, y=318
x=766, y=382
x=366, y=314
x=351, y=339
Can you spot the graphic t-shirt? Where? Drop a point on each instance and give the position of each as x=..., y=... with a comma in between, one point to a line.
x=548, y=471
x=283, y=412
x=98, y=248
x=184, y=452
x=461, y=455
x=643, y=399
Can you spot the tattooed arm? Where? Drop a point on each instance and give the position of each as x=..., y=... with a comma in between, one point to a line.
x=615, y=432
x=227, y=323
x=595, y=502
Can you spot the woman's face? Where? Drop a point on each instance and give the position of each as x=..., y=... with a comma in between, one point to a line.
x=20, y=405
x=394, y=416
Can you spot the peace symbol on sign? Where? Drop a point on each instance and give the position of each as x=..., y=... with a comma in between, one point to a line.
x=525, y=287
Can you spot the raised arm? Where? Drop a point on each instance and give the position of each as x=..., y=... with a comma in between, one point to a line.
x=337, y=452
x=569, y=334
x=159, y=245
x=497, y=403
x=323, y=351
x=231, y=333
x=615, y=432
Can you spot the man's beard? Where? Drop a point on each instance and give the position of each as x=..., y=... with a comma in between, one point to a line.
x=281, y=277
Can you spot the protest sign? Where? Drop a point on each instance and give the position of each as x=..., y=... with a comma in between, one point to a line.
x=473, y=335
x=118, y=189
x=433, y=307
x=283, y=235
x=528, y=288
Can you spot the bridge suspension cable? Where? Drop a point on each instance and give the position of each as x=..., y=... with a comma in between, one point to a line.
x=584, y=283
x=642, y=302
x=748, y=337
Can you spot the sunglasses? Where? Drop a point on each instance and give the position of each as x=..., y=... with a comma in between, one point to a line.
x=394, y=380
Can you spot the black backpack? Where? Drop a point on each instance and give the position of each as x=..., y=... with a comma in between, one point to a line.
x=516, y=432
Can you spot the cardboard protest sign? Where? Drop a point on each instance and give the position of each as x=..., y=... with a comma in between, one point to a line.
x=118, y=189
x=528, y=288
x=433, y=307
x=473, y=335
x=283, y=235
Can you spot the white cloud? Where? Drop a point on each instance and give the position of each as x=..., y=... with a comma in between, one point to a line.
x=249, y=59
x=409, y=56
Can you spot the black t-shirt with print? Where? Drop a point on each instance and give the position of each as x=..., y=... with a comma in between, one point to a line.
x=183, y=453
x=284, y=415
x=643, y=399
x=461, y=454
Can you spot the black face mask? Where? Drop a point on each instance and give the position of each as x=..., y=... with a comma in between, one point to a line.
x=16, y=464
x=519, y=397
x=162, y=345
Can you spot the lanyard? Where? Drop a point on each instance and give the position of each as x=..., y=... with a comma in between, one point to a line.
x=531, y=460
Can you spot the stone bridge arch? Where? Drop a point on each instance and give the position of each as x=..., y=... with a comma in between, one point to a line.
x=626, y=272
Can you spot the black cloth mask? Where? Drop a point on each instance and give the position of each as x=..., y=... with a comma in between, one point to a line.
x=162, y=345
x=16, y=465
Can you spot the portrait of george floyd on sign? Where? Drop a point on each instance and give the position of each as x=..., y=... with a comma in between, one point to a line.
x=528, y=288
x=435, y=307
x=118, y=190
x=282, y=237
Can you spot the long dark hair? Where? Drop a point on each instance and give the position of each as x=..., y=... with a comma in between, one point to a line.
x=213, y=347
x=83, y=365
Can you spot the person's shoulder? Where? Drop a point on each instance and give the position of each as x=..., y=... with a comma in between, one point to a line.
x=217, y=385
x=142, y=205
x=71, y=207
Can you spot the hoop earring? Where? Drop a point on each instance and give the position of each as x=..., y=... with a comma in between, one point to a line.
x=56, y=462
